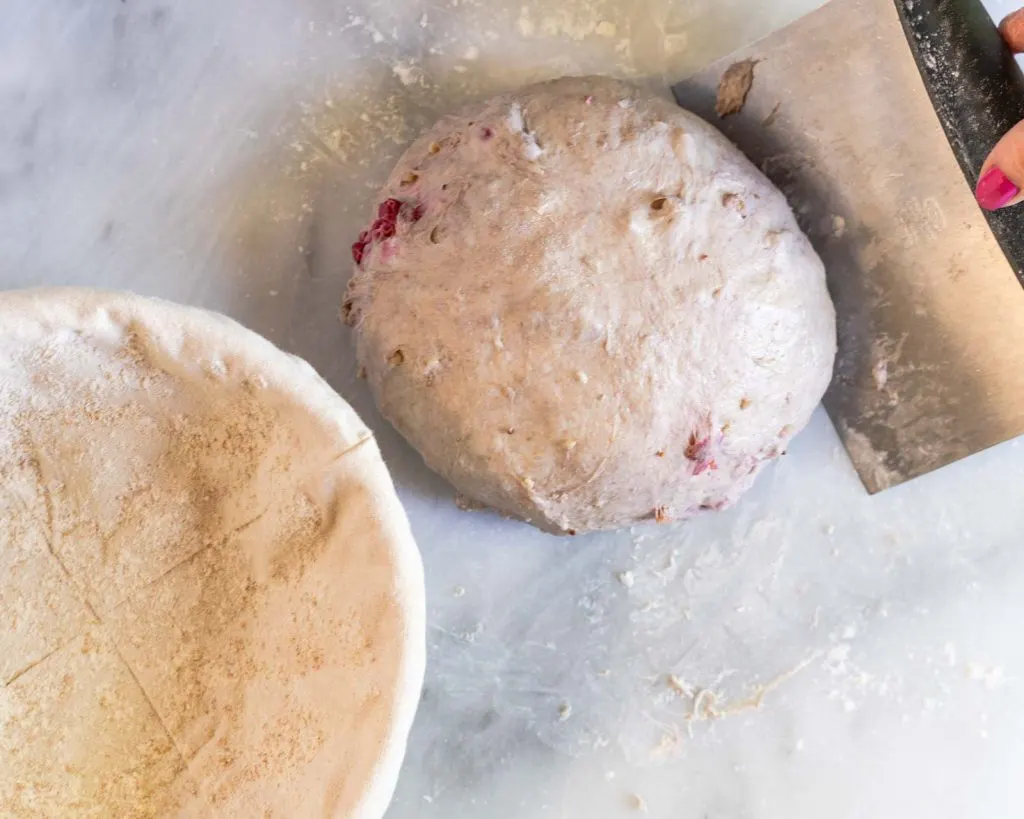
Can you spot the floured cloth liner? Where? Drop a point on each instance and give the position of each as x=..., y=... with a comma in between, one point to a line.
x=212, y=602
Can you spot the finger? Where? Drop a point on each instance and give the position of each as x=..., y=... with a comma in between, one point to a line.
x=1012, y=29
x=1002, y=175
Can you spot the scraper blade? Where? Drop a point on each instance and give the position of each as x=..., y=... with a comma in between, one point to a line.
x=930, y=310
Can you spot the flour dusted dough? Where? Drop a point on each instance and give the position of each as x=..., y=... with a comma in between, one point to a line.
x=585, y=307
x=211, y=601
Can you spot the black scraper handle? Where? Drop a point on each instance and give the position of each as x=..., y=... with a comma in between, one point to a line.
x=976, y=88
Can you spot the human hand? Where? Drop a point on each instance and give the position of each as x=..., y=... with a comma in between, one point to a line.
x=1002, y=176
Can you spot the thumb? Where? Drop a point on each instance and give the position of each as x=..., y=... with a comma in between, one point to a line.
x=1002, y=175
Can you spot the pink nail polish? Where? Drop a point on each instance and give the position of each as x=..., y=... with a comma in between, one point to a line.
x=995, y=189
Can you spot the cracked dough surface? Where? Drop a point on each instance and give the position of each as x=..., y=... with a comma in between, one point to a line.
x=212, y=604
x=585, y=308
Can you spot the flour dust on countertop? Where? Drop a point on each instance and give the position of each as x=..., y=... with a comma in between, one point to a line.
x=672, y=646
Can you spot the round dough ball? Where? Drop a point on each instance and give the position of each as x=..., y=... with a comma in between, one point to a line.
x=585, y=308
x=212, y=602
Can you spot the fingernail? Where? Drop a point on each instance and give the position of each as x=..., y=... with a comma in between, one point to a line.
x=995, y=189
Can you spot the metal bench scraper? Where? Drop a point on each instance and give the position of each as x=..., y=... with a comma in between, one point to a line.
x=874, y=119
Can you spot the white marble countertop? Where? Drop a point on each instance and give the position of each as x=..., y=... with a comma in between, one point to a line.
x=862, y=652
